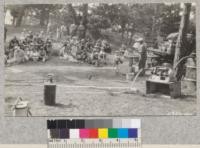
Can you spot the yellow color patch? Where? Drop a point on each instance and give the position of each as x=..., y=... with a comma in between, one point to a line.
x=103, y=133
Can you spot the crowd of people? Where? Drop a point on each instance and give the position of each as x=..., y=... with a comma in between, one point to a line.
x=31, y=46
x=28, y=46
x=85, y=50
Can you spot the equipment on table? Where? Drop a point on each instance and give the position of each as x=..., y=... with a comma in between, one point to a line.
x=162, y=73
x=163, y=81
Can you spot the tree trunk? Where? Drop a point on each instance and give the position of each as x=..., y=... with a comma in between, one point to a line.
x=13, y=21
x=131, y=38
x=20, y=17
x=84, y=18
x=180, y=50
x=72, y=12
x=47, y=17
x=122, y=33
x=42, y=17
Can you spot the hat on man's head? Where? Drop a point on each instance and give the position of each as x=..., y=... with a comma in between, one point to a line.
x=16, y=47
x=139, y=40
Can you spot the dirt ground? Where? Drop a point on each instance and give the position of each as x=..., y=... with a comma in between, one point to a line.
x=84, y=90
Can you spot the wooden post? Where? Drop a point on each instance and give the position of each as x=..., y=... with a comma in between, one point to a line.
x=181, y=41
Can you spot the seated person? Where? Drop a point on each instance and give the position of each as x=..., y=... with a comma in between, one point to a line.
x=43, y=55
x=14, y=42
x=118, y=58
x=106, y=46
x=48, y=46
x=35, y=55
x=19, y=56
x=102, y=55
x=28, y=53
x=122, y=49
x=95, y=56
x=10, y=53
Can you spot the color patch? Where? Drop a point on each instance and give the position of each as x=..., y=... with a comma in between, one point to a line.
x=74, y=133
x=132, y=133
x=103, y=133
x=93, y=133
x=122, y=133
x=61, y=124
x=84, y=133
x=113, y=133
x=64, y=133
x=54, y=133
x=51, y=124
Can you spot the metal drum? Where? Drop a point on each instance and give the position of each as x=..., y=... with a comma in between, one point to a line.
x=50, y=91
x=49, y=94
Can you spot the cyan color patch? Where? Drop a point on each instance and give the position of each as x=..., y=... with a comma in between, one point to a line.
x=122, y=133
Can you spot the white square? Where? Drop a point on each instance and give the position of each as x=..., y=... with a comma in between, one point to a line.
x=135, y=123
x=74, y=134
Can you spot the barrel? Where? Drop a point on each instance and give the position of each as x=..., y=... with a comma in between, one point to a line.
x=50, y=94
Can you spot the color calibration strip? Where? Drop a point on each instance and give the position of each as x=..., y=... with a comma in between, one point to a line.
x=94, y=133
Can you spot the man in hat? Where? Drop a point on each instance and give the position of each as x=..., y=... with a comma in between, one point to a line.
x=5, y=33
x=143, y=55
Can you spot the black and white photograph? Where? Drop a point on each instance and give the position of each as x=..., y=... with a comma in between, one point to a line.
x=100, y=59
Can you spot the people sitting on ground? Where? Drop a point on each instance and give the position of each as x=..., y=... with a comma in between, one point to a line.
x=19, y=56
x=31, y=44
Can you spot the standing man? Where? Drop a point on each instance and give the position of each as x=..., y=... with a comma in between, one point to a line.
x=63, y=31
x=143, y=55
x=48, y=27
x=5, y=33
x=81, y=31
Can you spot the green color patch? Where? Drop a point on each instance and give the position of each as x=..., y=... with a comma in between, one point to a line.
x=112, y=133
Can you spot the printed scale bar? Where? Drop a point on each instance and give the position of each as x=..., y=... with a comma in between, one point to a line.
x=95, y=143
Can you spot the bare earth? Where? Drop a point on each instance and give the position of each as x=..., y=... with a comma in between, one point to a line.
x=85, y=90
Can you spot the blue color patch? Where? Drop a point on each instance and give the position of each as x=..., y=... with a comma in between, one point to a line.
x=122, y=133
x=133, y=133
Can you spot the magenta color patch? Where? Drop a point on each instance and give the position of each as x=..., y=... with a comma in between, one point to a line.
x=84, y=133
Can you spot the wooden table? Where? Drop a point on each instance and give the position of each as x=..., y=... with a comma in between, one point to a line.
x=173, y=89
